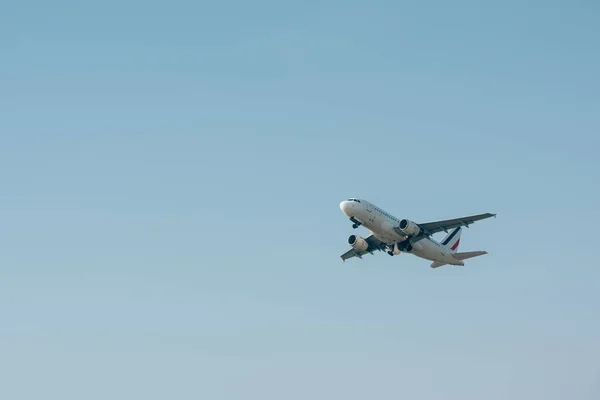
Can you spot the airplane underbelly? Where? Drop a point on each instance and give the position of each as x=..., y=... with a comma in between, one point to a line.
x=381, y=228
x=429, y=251
x=384, y=231
x=385, y=238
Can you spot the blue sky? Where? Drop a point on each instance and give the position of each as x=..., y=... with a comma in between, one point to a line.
x=172, y=173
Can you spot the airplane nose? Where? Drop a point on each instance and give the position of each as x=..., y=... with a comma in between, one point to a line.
x=345, y=207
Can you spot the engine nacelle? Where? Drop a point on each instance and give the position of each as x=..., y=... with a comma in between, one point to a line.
x=409, y=227
x=358, y=243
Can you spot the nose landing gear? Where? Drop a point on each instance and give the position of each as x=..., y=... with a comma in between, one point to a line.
x=356, y=223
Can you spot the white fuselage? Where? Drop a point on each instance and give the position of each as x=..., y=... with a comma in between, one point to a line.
x=381, y=224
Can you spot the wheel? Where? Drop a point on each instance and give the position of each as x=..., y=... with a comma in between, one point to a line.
x=390, y=253
x=354, y=226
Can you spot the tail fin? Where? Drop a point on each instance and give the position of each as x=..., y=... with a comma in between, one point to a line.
x=452, y=239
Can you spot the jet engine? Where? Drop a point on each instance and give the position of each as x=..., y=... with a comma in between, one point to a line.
x=358, y=243
x=409, y=227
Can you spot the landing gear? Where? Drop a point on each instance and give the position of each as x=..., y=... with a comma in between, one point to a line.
x=354, y=226
x=356, y=223
x=390, y=248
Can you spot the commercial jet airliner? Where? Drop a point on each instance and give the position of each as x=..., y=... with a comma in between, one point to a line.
x=396, y=236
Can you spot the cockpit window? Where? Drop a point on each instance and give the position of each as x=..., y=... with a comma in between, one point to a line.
x=355, y=200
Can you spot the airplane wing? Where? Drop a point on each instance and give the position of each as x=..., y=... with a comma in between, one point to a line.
x=374, y=244
x=429, y=228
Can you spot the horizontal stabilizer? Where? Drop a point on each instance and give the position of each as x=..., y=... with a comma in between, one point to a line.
x=468, y=254
x=437, y=264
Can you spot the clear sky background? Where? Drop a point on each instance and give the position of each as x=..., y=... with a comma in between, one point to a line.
x=171, y=177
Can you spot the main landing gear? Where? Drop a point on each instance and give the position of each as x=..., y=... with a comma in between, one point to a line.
x=391, y=250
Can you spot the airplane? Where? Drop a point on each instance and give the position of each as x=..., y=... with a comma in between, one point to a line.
x=397, y=236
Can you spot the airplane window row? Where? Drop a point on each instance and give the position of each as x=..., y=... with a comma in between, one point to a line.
x=386, y=214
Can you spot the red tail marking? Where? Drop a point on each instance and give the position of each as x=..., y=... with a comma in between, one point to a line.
x=455, y=245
